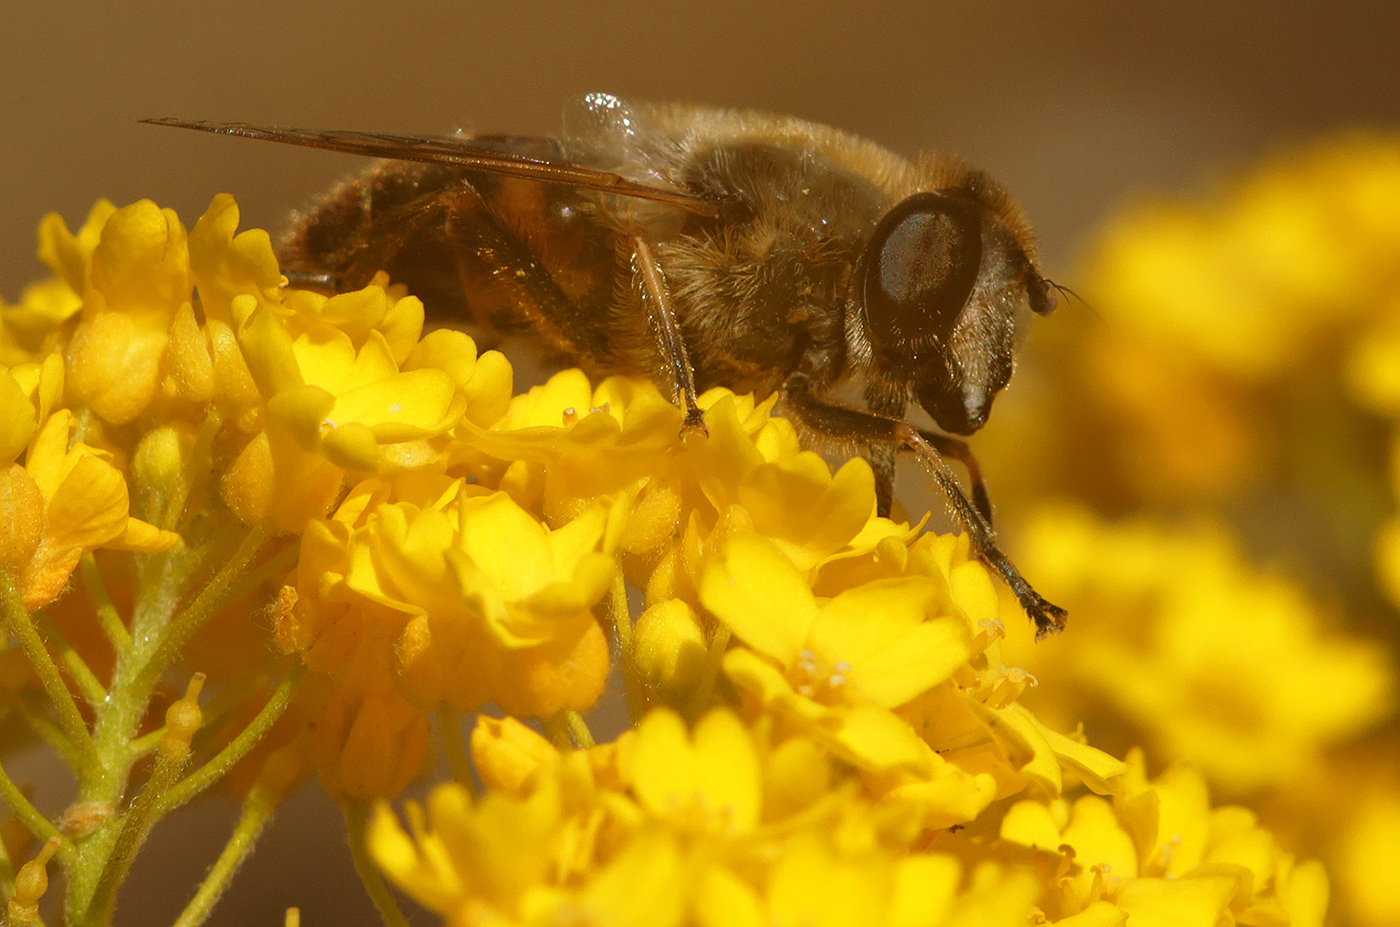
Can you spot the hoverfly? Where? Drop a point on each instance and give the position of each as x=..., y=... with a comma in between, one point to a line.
x=707, y=247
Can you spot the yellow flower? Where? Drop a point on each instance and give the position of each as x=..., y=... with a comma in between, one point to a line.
x=486, y=864
x=31, y=329
x=369, y=742
x=1258, y=271
x=837, y=666
x=507, y=754
x=790, y=496
x=64, y=502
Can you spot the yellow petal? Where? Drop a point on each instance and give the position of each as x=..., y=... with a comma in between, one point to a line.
x=1097, y=914
x=190, y=361
x=142, y=260
x=351, y=445
x=67, y=254
x=21, y=516
x=18, y=419
x=1032, y=824
x=880, y=631
x=759, y=593
x=448, y=350
x=727, y=770
x=1099, y=839
x=924, y=890
x=226, y=265
x=1176, y=902
x=89, y=508
x=643, y=887
x=668, y=648
x=143, y=537
x=664, y=776
x=876, y=739
x=722, y=899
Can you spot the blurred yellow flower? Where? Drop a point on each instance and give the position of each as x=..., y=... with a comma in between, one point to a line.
x=1370, y=849
x=1231, y=669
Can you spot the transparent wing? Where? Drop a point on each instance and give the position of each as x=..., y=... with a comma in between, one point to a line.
x=443, y=149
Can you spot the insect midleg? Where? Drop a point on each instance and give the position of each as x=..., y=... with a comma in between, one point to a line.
x=887, y=400
x=669, y=338
x=853, y=424
x=961, y=451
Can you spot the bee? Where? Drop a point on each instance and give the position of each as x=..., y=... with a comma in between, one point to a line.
x=707, y=247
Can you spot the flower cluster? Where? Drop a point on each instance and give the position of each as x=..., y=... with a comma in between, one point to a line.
x=1230, y=668
x=826, y=728
x=736, y=824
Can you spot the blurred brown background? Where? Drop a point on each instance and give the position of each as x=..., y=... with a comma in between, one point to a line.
x=1073, y=106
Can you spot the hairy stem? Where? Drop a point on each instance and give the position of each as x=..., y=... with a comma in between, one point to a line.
x=357, y=824
x=253, y=819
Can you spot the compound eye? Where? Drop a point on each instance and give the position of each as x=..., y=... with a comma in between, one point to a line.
x=920, y=267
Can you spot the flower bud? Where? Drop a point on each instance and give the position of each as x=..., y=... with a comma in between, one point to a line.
x=182, y=721
x=31, y=882
x=669, y=649
x=158, y=470
x=191, y=364
x=369, y=745
x=507, y=753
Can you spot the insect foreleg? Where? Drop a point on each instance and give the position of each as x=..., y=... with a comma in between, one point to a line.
x=855, y=425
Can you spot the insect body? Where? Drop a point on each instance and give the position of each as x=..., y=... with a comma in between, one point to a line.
x=704, y=247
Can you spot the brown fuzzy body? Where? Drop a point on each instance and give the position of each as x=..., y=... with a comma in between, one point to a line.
x=764, y=289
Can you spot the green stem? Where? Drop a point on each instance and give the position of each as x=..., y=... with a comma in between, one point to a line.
x=29, y=816
x=236, y=749
x=7, y=875
x=183, y=626
x=453, y=745
x=622, y=627
x=556, y=728
x=94, y=693
x=32, y=708
x=256, y=814
x=578, y=730
x=135, y=827
x=356, y=824
x=18, y=622
x=278, y=565
x=107, y=615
